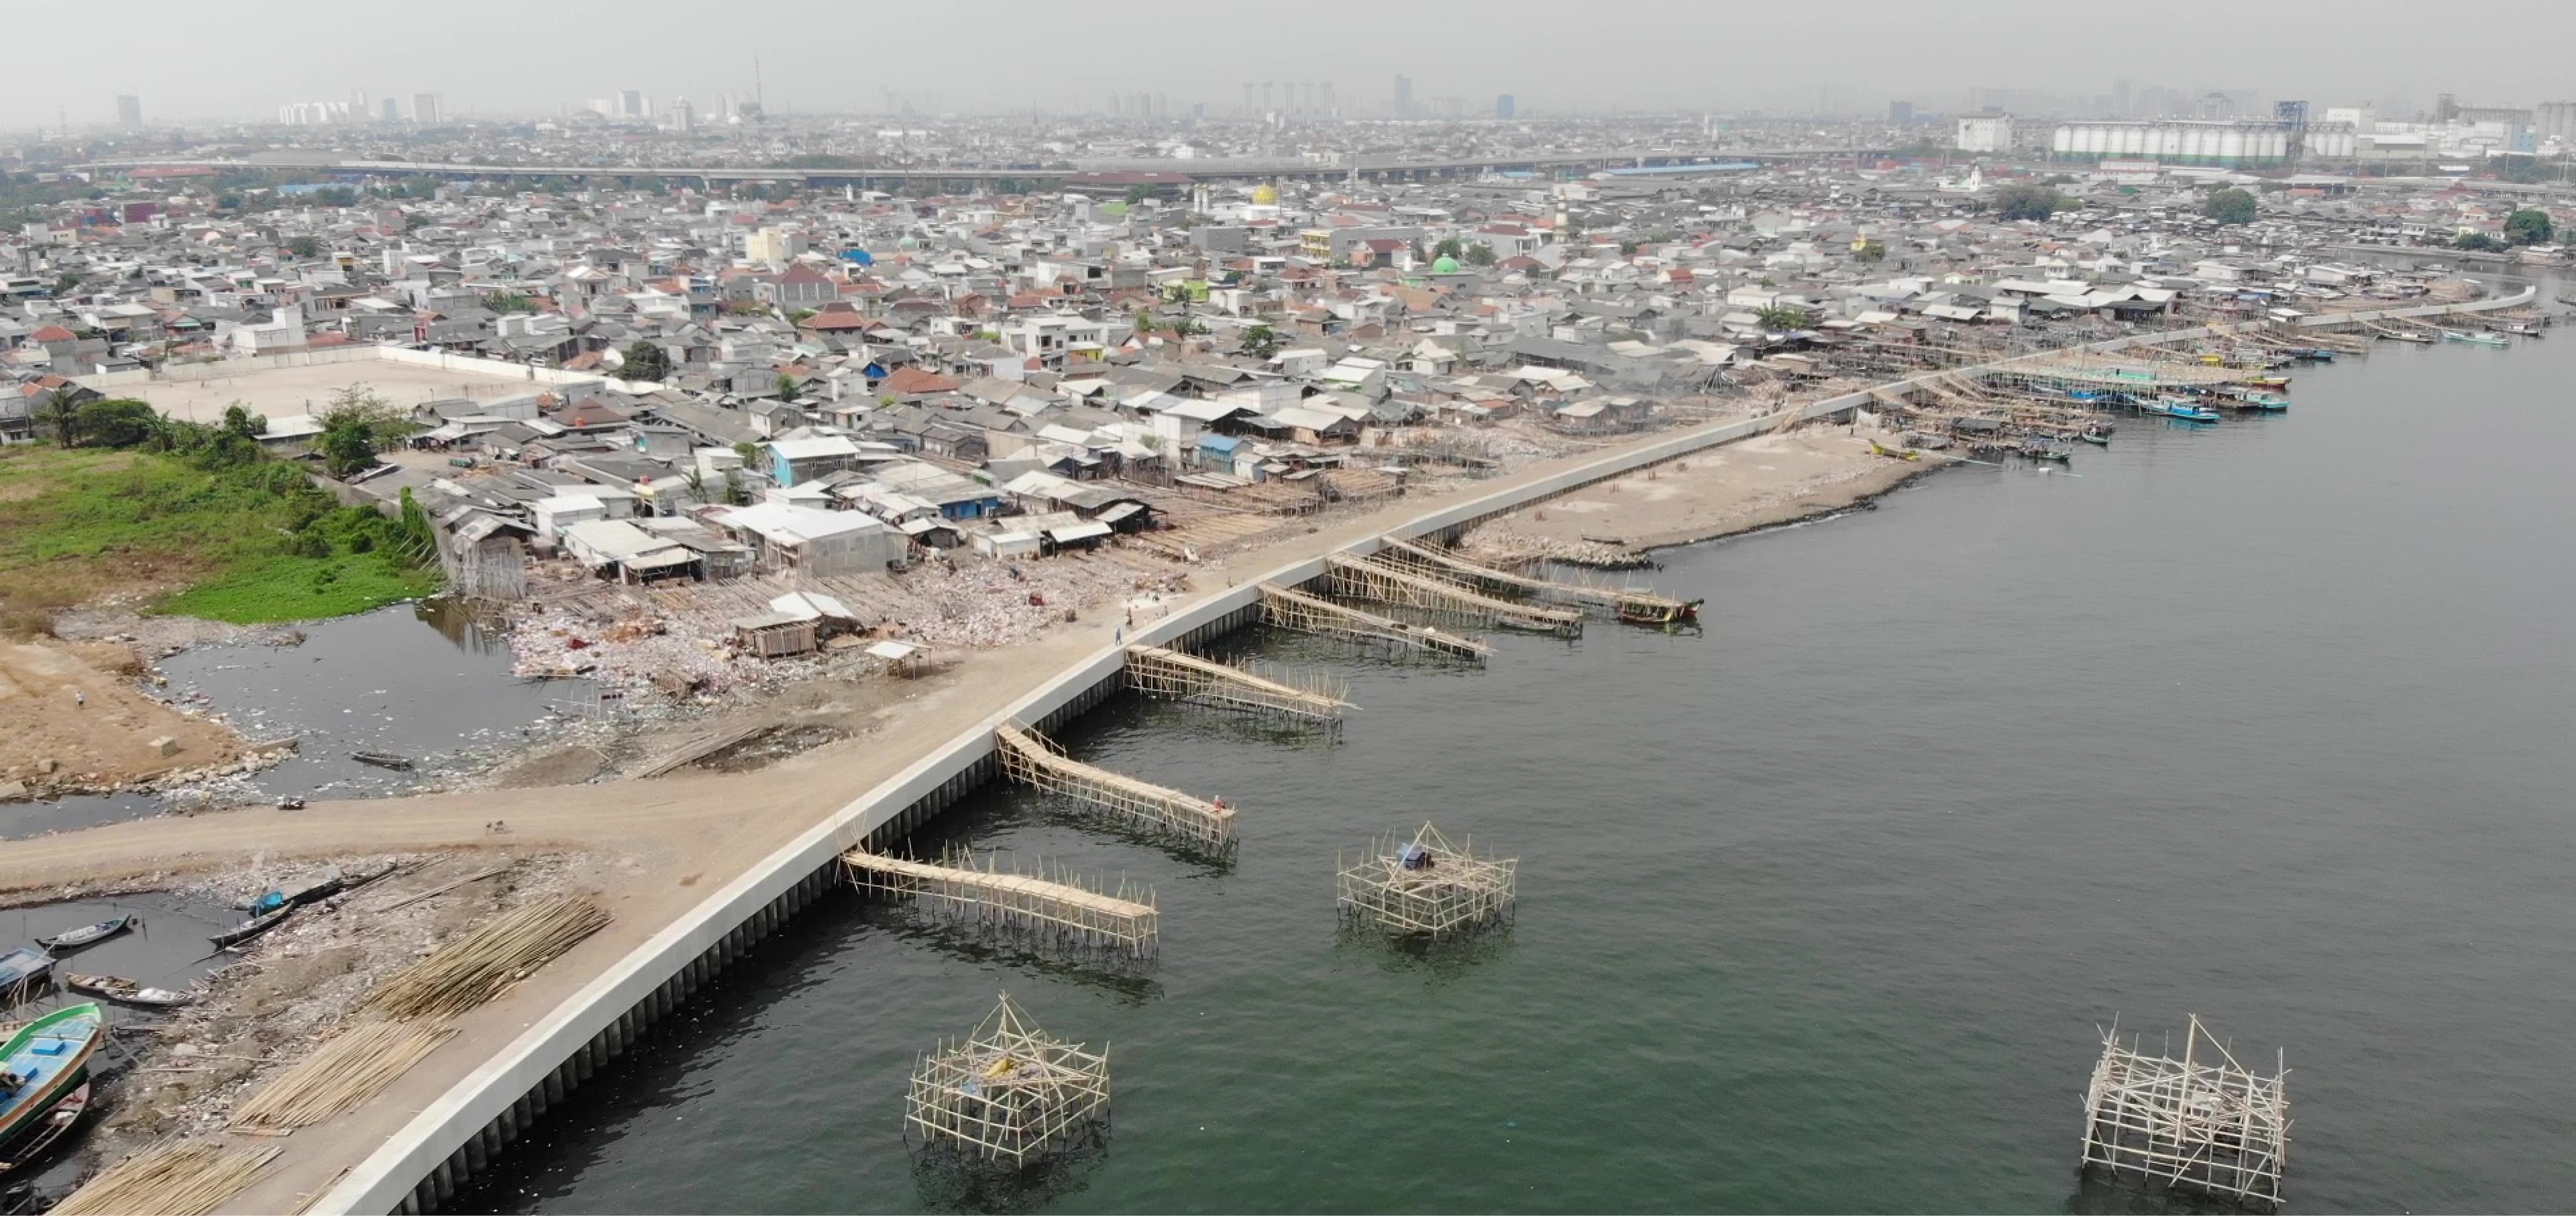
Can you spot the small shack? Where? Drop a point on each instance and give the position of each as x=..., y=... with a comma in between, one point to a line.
x=775, y=635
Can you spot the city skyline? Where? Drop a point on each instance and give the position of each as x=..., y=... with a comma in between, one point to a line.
x=1879, y=52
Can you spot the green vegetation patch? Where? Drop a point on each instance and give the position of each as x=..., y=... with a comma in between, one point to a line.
x=221, y=533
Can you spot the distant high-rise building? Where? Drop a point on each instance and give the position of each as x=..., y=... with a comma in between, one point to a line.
x=2446, y=107
x=2120, y=99
x=1505, y=107
x=1900, y=112
x=392, y=111
x=631, y=104
x=1403, y=96
x=683, y=119
x=129, y=112
x=2554, y=120
x=425, y=109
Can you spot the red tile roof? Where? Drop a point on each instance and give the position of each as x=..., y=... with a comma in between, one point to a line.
x=53, y=333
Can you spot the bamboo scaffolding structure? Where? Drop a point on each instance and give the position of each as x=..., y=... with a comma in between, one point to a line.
x=1622, y=601
x=1425, y=885
x=1289, y=608
x=483, y=964
x=1173, y=675
x=1380, y=581
x=1009, y=1091
x=1033, y=759
x=1063, y=911
x=2190, y=1124
x=177, y=1177
x=342, y=1075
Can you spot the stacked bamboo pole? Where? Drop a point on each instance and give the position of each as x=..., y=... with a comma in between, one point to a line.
x=348, y=1071
x=481, y=965
x=1063, y=911
x=1033, y=759
x=1173, y=675
x=178, y=1177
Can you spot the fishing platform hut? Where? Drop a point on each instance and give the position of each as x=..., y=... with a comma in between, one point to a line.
x=1064, y=911
x=1009, y=1092
x=2203, y=1123
x=1174, y=676
x=1425, y=886
x=1033, y=759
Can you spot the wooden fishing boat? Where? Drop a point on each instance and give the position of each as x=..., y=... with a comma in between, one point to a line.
x=50, y=1130
x=2169, y=408
x=2409, y=335
x=23, y=969
x=2265, y=382
x=1683, y=613
x=2475, y=339
x=123, y=991
x=251, y=928
x=1892, y=453
x=2269, y=403
x=2043, y=452
x=41, y=1065
x=89, y=935
x=383, y=760
x=2096, y=438
x=2528, y=329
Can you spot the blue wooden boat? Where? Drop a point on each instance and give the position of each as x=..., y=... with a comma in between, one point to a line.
x=23, y=968
x=2168, y=408
x=2475, y=339
x=2269, y=403
x=45, y=1062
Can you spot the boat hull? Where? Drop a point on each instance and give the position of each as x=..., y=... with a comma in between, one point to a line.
x=52, y=1053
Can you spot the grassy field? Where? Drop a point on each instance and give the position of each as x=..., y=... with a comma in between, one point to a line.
x=247, y=545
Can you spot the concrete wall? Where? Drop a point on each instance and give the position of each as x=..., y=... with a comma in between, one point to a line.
x=440, y=360
x=452, y=1139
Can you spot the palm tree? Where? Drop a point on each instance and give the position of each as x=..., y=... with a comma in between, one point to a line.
x=61, y=411
x=1780, y=318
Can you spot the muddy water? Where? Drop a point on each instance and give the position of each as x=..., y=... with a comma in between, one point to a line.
x=424, y=681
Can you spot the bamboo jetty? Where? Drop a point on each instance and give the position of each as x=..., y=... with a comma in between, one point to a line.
x=1370, y=579
x=2203, y=1122
x=1063, y=911
x=1289, y=608
x=1627, y=603
x=1177, y=676
x=1033, y=759
x=1009, y=1091
x=1425, y=886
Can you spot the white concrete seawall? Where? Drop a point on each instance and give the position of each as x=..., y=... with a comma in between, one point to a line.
x=453, y=1138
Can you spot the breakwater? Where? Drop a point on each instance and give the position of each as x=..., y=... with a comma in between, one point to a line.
x=485, y=1110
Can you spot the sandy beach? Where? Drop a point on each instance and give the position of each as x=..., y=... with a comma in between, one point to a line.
x=1759, y=483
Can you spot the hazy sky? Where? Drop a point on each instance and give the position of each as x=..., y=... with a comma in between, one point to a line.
x=193, y=60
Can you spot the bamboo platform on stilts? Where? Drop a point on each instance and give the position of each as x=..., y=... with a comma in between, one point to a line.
x=1064, y=911
x=1388, y=583
x=1627, y=603
x=1033, y=759
x=1289, y=608
x=1425, y=885
x=1009, y=1092
x=1172, y=675
x=2197, y=1123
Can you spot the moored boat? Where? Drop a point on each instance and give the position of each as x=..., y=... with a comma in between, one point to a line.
x=40, y=1066
x=2171, y=408
x=252, y=928
x=1640, y=613
x=382, y=760
x=50, y=1130
x=123, y=991
x=2408, y=335
x=23, y=969
x=2475, y=339
x=2269, y=403
x=89, y=935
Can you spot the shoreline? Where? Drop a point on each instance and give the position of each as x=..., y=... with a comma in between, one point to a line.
x=694, y=824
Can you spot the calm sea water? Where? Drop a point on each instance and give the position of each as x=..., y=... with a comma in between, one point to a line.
x=1821, y=908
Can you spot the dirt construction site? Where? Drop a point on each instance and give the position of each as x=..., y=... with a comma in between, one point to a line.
x=190, y=395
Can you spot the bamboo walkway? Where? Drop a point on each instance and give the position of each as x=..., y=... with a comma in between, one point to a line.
x=1388, y=583
x=1032, y=759
x=1289, y=608
x=1173, y=675
x=1064, y=913
x=1623, y=601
